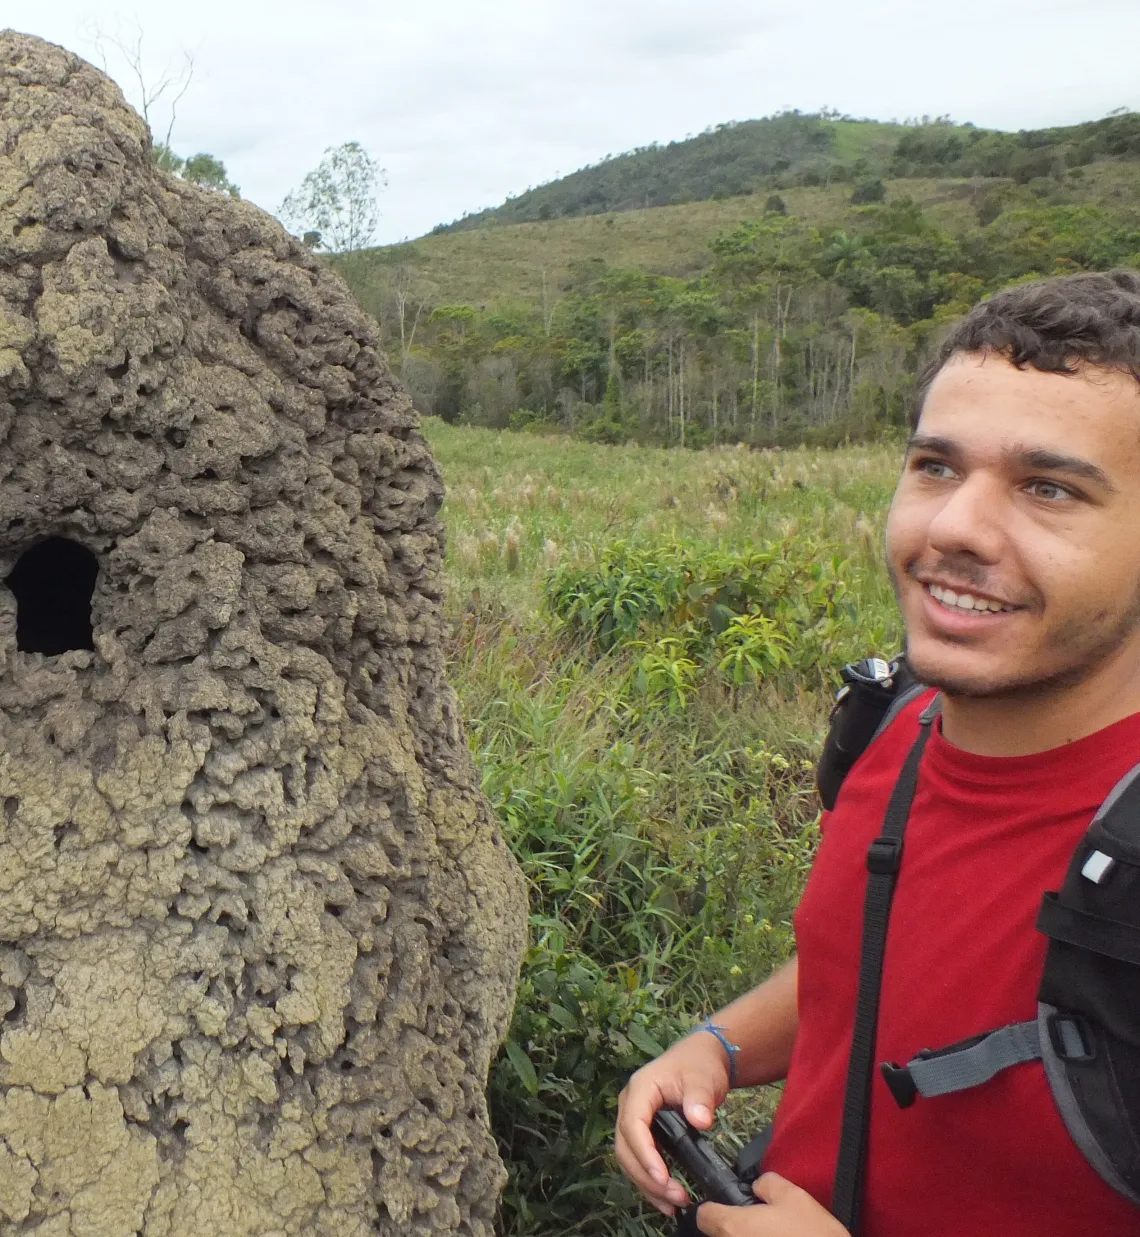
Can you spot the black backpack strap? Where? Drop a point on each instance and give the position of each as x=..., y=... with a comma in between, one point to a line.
x=884, y=858
x=900, y=702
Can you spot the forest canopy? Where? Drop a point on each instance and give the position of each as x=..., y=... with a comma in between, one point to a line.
x=797, y=332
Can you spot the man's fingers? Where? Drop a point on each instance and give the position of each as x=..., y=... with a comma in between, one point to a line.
x=686, y=1086
x=699, y=1103
x=635, y=1111
x=718, y=1221
x=664, y=1195
x=637, y=1154
x=772, y=1188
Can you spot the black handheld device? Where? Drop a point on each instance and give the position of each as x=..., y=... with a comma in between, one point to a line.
x=869, y=689
x=710, y=1177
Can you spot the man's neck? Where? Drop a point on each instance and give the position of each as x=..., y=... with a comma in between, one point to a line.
x=1038, y=722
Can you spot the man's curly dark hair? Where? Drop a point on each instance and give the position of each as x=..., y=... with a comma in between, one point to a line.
x=1054, y=325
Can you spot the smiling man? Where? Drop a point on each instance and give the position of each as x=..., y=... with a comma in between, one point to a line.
x=1014, y=547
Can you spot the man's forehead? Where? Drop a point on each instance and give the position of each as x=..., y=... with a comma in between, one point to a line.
x=985, y=403
x=983, y=374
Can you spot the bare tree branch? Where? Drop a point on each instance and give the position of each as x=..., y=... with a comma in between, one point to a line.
x=126, y=41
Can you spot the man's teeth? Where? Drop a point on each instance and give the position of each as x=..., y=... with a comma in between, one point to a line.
x=965, y=601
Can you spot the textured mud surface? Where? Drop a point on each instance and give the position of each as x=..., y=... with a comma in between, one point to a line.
x=258, y=934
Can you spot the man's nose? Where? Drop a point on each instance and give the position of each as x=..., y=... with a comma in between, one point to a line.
x=970, y=521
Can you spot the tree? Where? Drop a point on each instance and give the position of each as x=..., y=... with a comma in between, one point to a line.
x=204, y=170
x=210, y=173
x=338, y=199
x=765, y=262
x=412, y=295
x=150, y=88
x=166, y=160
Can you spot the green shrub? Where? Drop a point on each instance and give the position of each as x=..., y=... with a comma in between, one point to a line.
x=750, y=612
x=868, y=192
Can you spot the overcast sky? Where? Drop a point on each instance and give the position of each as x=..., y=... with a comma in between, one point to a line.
x=467, y=101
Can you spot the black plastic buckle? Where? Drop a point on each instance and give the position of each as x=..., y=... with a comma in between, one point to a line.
x=884, y=856
x=901, y=1084
x=750, y=1157
x=1063, y=1044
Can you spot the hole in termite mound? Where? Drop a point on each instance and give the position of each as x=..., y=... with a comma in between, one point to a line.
x=53, y=583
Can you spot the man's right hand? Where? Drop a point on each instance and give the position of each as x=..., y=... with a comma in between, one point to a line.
x=691, y=1076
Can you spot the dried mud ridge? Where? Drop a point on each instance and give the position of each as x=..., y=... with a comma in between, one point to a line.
x=259, y=934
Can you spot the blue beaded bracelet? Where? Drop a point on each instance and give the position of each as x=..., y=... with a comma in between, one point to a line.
x=729, y=1047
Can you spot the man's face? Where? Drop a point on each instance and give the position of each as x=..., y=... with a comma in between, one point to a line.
x=1014, y=536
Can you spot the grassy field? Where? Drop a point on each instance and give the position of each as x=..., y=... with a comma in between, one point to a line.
x=644, y=646
x=505, y=264
x=519, y=504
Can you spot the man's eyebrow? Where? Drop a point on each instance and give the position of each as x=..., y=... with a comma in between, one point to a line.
x=1051, y=461
x=1035, y=458
x=931, y=443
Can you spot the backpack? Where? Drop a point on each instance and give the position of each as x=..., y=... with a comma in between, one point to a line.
x=1087, y=1029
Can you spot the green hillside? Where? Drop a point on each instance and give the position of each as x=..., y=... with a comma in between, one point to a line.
x=732, y=159
x=794, y=150
x=505, y=265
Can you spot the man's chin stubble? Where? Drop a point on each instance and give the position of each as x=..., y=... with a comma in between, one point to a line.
x=1060, y=679
x=982, y=688
x=1097, y=649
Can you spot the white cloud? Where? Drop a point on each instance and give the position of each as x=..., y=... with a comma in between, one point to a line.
x=465, y=104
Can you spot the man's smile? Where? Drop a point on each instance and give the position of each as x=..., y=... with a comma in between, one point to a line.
x=967, y=602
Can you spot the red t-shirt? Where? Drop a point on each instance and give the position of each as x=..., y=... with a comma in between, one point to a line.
x=986, y=837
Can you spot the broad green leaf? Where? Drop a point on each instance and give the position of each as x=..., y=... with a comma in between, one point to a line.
x=523, y=1067
x=639, y=1036
x=563, y=1017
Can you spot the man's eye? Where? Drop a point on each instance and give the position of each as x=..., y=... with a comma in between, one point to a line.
x=939, y=470
x=1050, y=491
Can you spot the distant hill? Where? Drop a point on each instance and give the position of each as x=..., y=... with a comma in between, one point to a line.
x=732, y=159
x=795, y=150
x=521, y=264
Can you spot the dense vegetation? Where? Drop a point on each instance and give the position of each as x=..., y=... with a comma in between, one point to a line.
x=645, y=650
x=946, y=150
x=798, y=310
x=798, y=329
